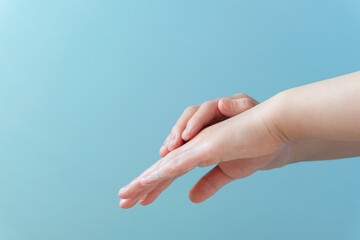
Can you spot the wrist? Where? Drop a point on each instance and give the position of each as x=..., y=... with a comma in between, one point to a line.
x=286, y=124
x=299, y=151
x=276, y=112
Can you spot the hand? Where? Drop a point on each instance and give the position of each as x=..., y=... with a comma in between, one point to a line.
x=197, y=117
x=300, y=130
x=240, y=145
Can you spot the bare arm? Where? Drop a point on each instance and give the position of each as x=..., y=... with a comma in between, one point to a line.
x=315, y=121
x=329, y=109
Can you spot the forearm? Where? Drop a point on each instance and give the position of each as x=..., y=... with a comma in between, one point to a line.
x=328, y=109
x=318, y=149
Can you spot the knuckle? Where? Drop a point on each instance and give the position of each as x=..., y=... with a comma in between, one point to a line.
x=211, y=184
x=240, y=95
x=246, y=103
x=208, y=103
x=190, y=109
x=175, y=129
x=208, y=155
x=168, y=171
x=205, y=104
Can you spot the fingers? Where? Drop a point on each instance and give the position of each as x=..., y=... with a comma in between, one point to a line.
x=147, y=196
x=212, y=111
x=195, y=118
x=173, y=165
x=135, y=186
x=127, y=203
x=199, y=152
x=209, y=184
x=164, y=149
x=206, y=112
x=224, y=173
x=151, y=196
x=243, y=95
x=130, y=189
x=174, y=139
x=130, y=202
x=171, y=168
x=232, y=107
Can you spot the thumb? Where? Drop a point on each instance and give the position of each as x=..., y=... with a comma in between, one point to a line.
x=209, y=184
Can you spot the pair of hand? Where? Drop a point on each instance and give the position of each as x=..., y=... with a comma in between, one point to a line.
x=212, y=133
x=317, y=121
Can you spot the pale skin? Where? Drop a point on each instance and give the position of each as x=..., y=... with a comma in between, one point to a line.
x=318, y=121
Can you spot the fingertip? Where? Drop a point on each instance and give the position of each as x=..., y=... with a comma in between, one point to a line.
x=194, y=197
x=226, y=106
x=221, y=102
x=128, y=203
x=163, y=150
x=130, y=190
x=173, y=139
x=178, y=141
x=196, y=193
x=122, y=192
x=187, y=134
x=209, y=184
x=123, y=196
x=122, y=204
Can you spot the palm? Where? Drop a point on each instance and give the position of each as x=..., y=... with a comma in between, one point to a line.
x=242, y=138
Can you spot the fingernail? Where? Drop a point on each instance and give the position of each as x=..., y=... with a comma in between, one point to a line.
x=162, y=149
x=122, y=201
x=228, y=104
x=123, y=189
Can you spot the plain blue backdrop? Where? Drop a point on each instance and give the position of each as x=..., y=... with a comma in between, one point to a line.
x=90, y=89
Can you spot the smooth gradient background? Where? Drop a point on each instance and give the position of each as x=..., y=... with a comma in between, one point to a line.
x=90, y=89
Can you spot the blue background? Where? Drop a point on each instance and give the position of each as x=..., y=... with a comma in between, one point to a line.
x=90, y=89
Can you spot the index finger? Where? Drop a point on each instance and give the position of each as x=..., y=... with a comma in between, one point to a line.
x=179, y=162
x=176, y=163
x=135, y=186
